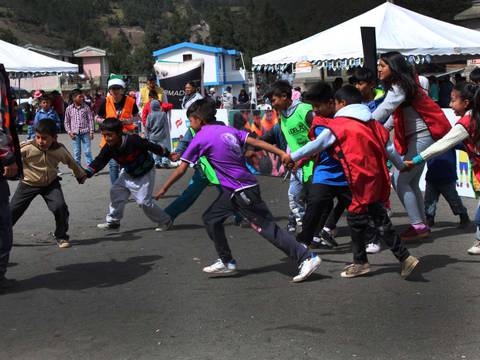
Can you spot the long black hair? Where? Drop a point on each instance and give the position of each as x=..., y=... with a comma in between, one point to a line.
x=475, y=121
x=403, y=74
x=467, y=91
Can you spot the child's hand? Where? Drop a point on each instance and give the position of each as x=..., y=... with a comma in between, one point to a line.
x=160, y=193
x=408, y=165
x=72, y=136
x=82, y=179
x=174, y=156
x=287, y=161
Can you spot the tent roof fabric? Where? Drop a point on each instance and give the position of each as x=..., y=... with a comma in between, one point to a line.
x=17, y=59
x=397, y=29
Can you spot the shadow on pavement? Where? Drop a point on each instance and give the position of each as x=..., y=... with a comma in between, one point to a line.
x=113, y=235
x=90, y=275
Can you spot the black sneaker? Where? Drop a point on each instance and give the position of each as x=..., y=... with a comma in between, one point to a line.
x=328, y=239
x=108, y=225
x=7, y=283
x=430, y=221
x=464, y=221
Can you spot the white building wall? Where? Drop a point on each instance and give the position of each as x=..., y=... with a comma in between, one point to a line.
x=209, y=70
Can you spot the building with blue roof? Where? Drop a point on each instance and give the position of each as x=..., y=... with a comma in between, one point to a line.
x=222, y=67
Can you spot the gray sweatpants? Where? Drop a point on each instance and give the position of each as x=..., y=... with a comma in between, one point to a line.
x=406, y=184
x=141, y=189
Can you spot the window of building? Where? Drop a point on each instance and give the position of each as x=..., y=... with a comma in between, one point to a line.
x=187, y=57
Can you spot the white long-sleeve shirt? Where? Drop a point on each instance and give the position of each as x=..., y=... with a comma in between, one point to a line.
x=326, y=138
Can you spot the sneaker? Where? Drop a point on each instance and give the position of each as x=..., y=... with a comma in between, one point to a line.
x=63, y=243
x=408, y=265
x=318, y=243
x=413, y=234
x=373, y=248
x=328, y=239
x=475, y=249
x=219, y=267
x=7, y=283
x=164, y=227
x=389, y=213
x=332, y=232
x=430, y=221
x=354, y=270
x=307, y=268
x=464, y=221
x=107, y=225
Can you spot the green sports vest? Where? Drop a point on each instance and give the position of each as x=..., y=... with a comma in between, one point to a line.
x=295, y=129
x=207, y=169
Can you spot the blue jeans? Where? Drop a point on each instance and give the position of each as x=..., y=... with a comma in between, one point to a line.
x=114, y=170
x=195, y=187
x=295, y=196
x=30, y=132
x=77, y=151
x=449, y=192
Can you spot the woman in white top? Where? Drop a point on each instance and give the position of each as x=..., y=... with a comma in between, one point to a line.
x=191, y=95
x=403, y=101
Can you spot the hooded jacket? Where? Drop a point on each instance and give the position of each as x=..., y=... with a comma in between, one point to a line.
x=157, y=128
x=362, y=147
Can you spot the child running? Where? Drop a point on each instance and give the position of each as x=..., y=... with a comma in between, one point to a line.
x=463, y=98
x=362, y=146
x=41, y=157
x=137, y=176
x=223, y=148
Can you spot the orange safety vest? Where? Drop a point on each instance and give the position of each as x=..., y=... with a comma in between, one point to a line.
x=124, y=114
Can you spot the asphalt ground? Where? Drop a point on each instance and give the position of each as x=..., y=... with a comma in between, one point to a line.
x=138, y=294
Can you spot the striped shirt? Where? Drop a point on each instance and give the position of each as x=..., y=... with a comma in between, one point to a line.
x=79, y=119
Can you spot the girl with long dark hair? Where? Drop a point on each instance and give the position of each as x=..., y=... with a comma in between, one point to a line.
x=417, y=122
x=465, y=103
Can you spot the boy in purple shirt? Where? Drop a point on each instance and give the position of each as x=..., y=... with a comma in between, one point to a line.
x=223, y=147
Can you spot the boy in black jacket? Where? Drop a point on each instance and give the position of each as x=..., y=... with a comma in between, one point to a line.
x=137, y=176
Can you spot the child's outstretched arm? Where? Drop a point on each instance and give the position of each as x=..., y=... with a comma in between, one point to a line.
x=172, y=179
x=323, y=141
x=455, y=136
x=78, y=171
x=394, y=156
x=268, y=147
x=99, y=162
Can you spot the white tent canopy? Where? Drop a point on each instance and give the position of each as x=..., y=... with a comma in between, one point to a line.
x=397, y=29
x=16, y=59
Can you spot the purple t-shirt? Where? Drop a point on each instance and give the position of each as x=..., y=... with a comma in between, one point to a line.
x=223, y=147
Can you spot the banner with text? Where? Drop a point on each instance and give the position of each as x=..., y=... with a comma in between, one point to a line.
x=174, y=76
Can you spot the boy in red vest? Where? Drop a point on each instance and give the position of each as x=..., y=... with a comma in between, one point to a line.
x=362, y=146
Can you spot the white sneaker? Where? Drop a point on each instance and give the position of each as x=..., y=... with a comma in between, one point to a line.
x=475, y=249
x=107, y=225
x=307, y=268
x=164, y=227
x=333, y=233
x=373, y=248
x=218, y=267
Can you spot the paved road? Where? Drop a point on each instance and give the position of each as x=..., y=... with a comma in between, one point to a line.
x=137, y=294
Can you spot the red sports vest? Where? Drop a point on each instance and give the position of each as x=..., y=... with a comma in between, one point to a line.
x=360, y=148
x=429, y=111
x=472, y=150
